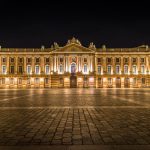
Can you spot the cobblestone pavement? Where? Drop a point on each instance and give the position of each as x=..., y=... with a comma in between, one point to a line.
x=75, y=117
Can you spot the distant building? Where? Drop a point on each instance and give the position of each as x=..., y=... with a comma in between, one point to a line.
x=74, y=65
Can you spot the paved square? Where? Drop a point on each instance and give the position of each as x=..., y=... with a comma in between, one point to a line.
x=74, y=117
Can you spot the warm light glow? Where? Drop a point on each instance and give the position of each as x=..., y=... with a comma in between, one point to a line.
x=41, y=79
x=66, y=79
x=91, y=79
x=80, y=79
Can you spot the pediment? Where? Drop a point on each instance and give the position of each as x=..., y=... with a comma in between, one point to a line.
x=73, y=48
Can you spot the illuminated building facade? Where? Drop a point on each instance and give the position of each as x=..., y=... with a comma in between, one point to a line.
x=74, y=65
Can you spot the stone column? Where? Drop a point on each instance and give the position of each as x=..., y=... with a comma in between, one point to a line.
x=104, y=66
x=25, y=66
x=113, y=65
x=130, y=65
x=33, y=65
x=16, y=65
x=42, y=66
x=7, y=59
x=138, y=65
x=147, y=65
x=55, y=63
x=122, y=66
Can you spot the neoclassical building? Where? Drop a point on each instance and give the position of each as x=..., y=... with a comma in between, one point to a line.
x=74, y=65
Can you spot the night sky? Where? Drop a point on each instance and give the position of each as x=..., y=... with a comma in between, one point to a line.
x=115, y=24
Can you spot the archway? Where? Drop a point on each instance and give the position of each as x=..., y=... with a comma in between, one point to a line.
x=73, y=68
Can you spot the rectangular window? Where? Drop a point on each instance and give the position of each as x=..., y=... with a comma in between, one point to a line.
x=117, y=69
x=134, y=81
x=12, y=69
x=3, y=80
x=61, y=60
x=109, y=60
x=109, y=81
x=47, y=69
x=126, y=60
x=28, y=81
x=12, y=60
x=134, y=60
x=99, y=69
x=134, y=70
x=109, y=69
x=28, y=60
x=85, y=68
x=143, y=81
x=3, y=69
x=117, y=60
x=142, y=60
x=20, y=60
x=37, y=60
x=47, y=60
x=28, y=69
x=98, y=60
x=85, y=59
x=3, y=59
x=61, y=69
x=125, y=69
x=46, y=81
x=37, y=69
x=11, y=80
x=37, y=80
x=142, y=69
x=19, y=81
x=20, y=69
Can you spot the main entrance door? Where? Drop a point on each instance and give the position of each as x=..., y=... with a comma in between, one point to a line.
x=73, y=81
x=118, y=83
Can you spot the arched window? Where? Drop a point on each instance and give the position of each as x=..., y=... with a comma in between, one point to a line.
x=73, y=68
x=61, y=68
x=99, y=69
x=85, y=68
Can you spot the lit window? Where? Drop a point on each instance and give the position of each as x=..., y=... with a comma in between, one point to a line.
x=47, y=69
x=142, y=69
x=3, y=59
x=117, y=69
x=109, y=81
x=46, y=80
x=12, y=69
x=134, y=81
x=28, y=69
x=3, y=69
x=28, y=81
x=99, y=69
x=20, y=69
x=134, y=69
x=37, y=60
x=11, y=81
x=19, y=81
x=3, y=80
x=85, y=68
x=37, y=69
x=117, y=60
x=61, y=68
x=125, y=69
x=37, y=80
x=109, y=69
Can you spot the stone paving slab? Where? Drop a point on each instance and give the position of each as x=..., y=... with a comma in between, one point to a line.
x=79, y=126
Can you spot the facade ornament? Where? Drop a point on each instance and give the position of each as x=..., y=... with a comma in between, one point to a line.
x=56, y=46
x=92, y=46
x=73, y=40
